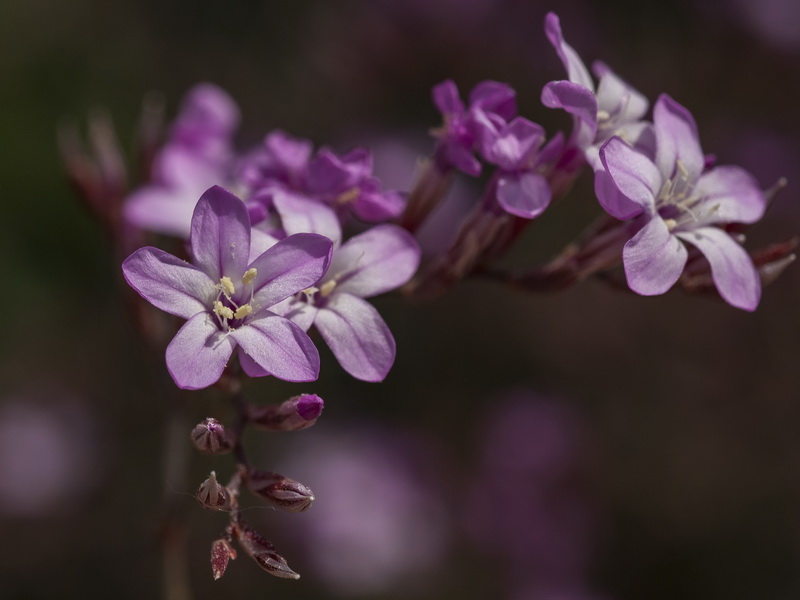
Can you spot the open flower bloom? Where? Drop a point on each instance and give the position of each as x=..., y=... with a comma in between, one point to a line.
x=680, y=202
x=380, y=259
x=613, y=108
x=226, y=296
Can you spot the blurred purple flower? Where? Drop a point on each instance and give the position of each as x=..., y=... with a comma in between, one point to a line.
x=383, y=524
x=461, y=132
x=197, y=155
x=679, y=201
x=529, y=504
x=227, y=293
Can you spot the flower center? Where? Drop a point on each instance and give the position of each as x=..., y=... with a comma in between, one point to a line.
x=678, y=204
x=230, y=313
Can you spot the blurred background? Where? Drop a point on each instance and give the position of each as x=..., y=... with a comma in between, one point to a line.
x=586, y=444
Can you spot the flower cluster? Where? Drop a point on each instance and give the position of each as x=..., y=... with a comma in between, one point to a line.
x=280, y=240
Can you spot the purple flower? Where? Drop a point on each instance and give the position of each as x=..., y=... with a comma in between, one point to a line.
x=376, y=261
x=679, y=201
x=197, y=155
x=613, y=108
x=226, y=294
x=346, y=182
x=514, y=149
x=461, y=131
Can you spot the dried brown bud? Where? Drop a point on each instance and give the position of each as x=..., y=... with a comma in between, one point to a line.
x=213, y=495
x=210, y=437
x=263, y=552
x=221, y=553
x=285, y=493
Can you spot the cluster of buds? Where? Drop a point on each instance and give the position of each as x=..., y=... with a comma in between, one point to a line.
x=211, y=437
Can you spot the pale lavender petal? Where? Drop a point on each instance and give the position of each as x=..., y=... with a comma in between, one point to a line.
x=376, y=261
x=260, y=242
x=162, y=210
x=619, y=99
x=676, y=139
x=293, y=264
x=632, y=172
x=515, y=144
x=207, y=111
x=220, y=239
x=291, y=153
x=357, y=336
x=279, y=347
x=374, y=205
x=168, y=283
x=524, y=195
x=331, y=174
x=654, y=259
x=462, y=159
x=299, y=312
x=197, y=355
x=181, y=168
x=250, y=367
x=732, y=269
x=612, y=200
x=576, y=70
x=730, y=195
x=446, y=98
x=300, y=214
x=495, y=97
x=573, y=98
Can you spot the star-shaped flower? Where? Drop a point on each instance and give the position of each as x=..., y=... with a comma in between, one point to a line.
x=226, y=296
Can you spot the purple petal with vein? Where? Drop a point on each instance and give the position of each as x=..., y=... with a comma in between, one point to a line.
x=376, y=261
x=676, y=139
x=730, y=195
x=653, y=259
x=731, y=267
x=198, y=353
x=358, y=337
x=293, y=264
x=167, y=282
x=220, y=239
x=524, y=195
x=279, y=347
x=632, y=172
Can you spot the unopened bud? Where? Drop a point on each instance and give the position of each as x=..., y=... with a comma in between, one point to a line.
x=210, y=437
x=221, y=553
x=213, y=495
x=263, y=552
x=285, y=493
x=298, y=412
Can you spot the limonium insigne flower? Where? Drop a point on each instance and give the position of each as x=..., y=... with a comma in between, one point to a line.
x=678, y=200
x=226, y=295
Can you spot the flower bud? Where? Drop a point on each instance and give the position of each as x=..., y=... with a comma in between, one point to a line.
x=285, y=493
x=263, y=552
x=213, y=495
x=209, y=437
x=298, y=412
x=221, y=553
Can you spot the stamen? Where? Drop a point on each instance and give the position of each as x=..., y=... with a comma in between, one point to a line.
x=327, y=288
x=249, y=276
x=226, y=286
x=222, y=310
x=670, y=223
x=348, y=196
x=309, y=293
x=243, y=311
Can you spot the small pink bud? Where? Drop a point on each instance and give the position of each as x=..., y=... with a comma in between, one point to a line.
x=221, y=553
x=285, y=493
x=213, y=495
x=298, y=412
x=210, y=437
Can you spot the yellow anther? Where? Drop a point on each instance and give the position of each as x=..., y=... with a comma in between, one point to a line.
x=327, y=288
x=309, y=292
x=603, y=115
x=670, y=223
x=226, y=286
x=222, y=310
x=243, y=311
x=249, y=275
x=348, y=196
